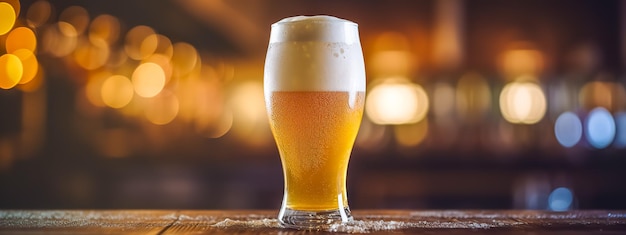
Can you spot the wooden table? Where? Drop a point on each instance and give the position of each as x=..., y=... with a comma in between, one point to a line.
x=264, y=222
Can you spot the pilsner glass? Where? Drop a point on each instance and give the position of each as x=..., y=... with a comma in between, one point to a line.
x=314, y=83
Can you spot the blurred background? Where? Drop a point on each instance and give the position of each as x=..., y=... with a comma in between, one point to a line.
x=479, y=104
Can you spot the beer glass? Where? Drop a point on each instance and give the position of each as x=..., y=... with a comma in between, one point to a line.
x=314, y=82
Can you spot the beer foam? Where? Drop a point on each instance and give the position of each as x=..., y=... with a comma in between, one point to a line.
x=314, y=53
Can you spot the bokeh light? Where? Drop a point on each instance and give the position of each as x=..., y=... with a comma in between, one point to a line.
x=249, y=114
x=60, y=39
x=10, y=71
x=473, y=97
x=8, y=17
x=30, y=65
x=163, y=108
x=148, y=79
x=93, y=89
x=443, y=100
x=396, y=101
x=522, y=102
x=117, y=91
x=21, y=38
x=412, y=134
x=92, y=54
x=609, y=95
x=156, y=43
x=518, y=62
x=105, y=27
x=76, y=16
x=38, y=13
x=134, y=40
x=184, y=59
x=600, y=128
x=561, y=199
x=568, y=129
x=620, y=131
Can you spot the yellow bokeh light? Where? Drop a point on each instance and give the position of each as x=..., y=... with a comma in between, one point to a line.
x=105, y=27
x=163, y=108
x=134, y=40
x=10, y=71
x=35, y=83
x=250, y=123
x=38, y=13
x=522, y=102
x=92, y=54
x=184, y=59
x=21, y=38
x=76, y=16
x=609, y=95
x=117, y=91
x=148, y=79
x=60, y=39
x=521, y=62
x=473, y=97
x=93, y=89
x=411, y=135
x=156, y=43
x=17, y=6
x=163, y=62
x=396, y=101
x=8, y=17
x=30, y=65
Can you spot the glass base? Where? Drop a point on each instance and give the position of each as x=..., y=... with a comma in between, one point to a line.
x=313, y=220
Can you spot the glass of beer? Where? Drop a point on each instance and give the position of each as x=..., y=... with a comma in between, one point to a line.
x=314, y=82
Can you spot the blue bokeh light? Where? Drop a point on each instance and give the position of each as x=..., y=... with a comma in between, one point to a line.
x=600, y=128
x=560, y=199
x=620, y=133
x=568, y=129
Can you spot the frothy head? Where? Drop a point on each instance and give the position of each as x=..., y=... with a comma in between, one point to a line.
x=321, y=28
x=314, y=53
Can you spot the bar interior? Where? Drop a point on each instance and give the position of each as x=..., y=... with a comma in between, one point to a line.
x=478, y=104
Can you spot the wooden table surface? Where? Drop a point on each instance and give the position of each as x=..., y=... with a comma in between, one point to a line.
x=264, y=222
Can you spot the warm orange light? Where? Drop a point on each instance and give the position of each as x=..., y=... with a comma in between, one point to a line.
x=21, y=38
x=134, y=40
x=17, y=6
x=163, y=108
x=38, y=13
x=76, y=16
x=105, y=27
x=8, y=17
x=411, y=135
x=117, y=91
x=30, y=65
x=35, y=83
x=156, y=43
x=93, y=89
x=522, y=62
x=522, y=102
x=148, y=79
x=92, y=54
x=184, y=59
x=250, y=123
x=396, y=101
x=163, y=62
x=609, y=95
x=10, y=71
x=60, y=39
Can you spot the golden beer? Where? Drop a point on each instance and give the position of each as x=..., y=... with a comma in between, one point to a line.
x=315, y=132
x=314, y=82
